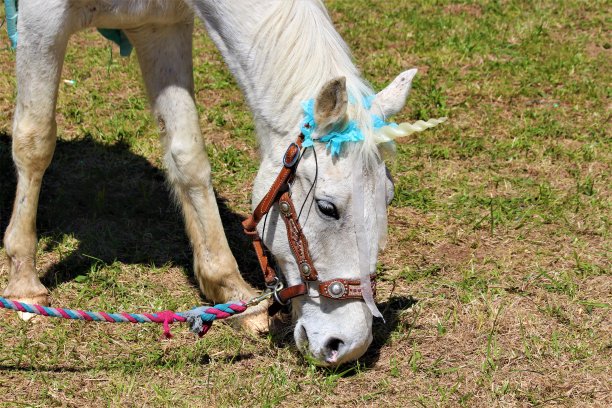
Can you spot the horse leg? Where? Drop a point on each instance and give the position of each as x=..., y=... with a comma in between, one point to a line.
x=165, y=57
x=43, y=35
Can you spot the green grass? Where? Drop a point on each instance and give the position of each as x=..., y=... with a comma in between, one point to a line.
x=496, y=281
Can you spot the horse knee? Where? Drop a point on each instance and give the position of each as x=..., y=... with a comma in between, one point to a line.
x=19, y=243
x=33, y=144
x=187, y=162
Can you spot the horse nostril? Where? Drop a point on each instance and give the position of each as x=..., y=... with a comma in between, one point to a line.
x=334, y=344
x=332, y=347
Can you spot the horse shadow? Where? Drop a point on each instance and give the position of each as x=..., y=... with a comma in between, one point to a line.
x=114, y=206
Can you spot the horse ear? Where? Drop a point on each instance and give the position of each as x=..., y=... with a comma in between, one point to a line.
x=331, y=103
x=391, y=100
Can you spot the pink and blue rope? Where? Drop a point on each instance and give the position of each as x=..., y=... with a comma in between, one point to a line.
x=199, y=318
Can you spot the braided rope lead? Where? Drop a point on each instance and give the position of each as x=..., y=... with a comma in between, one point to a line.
x=200, y=318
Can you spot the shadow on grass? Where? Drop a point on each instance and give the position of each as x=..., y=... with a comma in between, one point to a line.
x=226, y=359
x=117, y=207
x=119, y=364
x=392, y=310
x=43, y=369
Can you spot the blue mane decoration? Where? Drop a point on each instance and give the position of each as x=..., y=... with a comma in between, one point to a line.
x=335, y=138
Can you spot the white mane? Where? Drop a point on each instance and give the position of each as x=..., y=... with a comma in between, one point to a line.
x=296, y=51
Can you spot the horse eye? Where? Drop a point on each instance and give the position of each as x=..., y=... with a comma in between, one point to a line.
x=328, y=209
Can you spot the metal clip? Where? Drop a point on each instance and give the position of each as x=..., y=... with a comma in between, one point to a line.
x=266, y=295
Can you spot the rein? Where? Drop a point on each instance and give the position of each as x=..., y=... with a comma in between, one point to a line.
x=279, y=193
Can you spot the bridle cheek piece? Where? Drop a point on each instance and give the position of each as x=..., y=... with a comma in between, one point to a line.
x=339, y=289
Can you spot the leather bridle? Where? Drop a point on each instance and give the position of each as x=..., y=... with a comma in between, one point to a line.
x=279, y=193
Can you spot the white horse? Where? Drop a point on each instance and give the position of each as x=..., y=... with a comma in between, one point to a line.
x=282, y=53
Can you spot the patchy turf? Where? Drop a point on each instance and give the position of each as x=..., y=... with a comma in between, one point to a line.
x=496, y=282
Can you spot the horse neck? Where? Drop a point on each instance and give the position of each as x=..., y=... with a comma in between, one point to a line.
x=281, y=53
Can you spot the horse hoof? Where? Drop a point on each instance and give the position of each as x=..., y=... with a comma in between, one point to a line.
x=42, y=300
x=255, y=320
x=26, y=317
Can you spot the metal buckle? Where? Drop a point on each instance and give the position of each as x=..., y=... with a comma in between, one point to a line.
x=275, y=283
x=278, y=299
x=295, y=158
x=275, y=288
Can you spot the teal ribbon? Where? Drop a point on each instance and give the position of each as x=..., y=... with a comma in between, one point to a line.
x=119, y=38
x=337, y=137
x=10, y=7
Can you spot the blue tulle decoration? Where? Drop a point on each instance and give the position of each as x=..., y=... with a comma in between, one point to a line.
x=335, y=138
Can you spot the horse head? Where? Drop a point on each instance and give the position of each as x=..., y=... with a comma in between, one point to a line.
x=339, y=192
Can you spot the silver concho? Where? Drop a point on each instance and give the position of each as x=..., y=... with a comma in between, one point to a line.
x=285, y=207
x=305, y=268
x=336, y=289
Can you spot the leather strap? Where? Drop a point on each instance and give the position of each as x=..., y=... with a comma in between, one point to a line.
x=339, y=289
x=297, y=240
x=260, y=250
x=290, y=161
x=344, y=288
x=281, y=183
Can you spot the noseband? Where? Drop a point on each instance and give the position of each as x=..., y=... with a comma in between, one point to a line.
x=279, y=193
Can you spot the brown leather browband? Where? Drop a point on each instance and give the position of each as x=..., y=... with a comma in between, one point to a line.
x=279, y=193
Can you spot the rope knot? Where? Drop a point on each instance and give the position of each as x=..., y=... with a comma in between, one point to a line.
x=201, y=318
x=167, y=317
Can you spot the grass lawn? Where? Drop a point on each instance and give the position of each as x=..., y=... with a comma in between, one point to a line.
x=495, y=284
